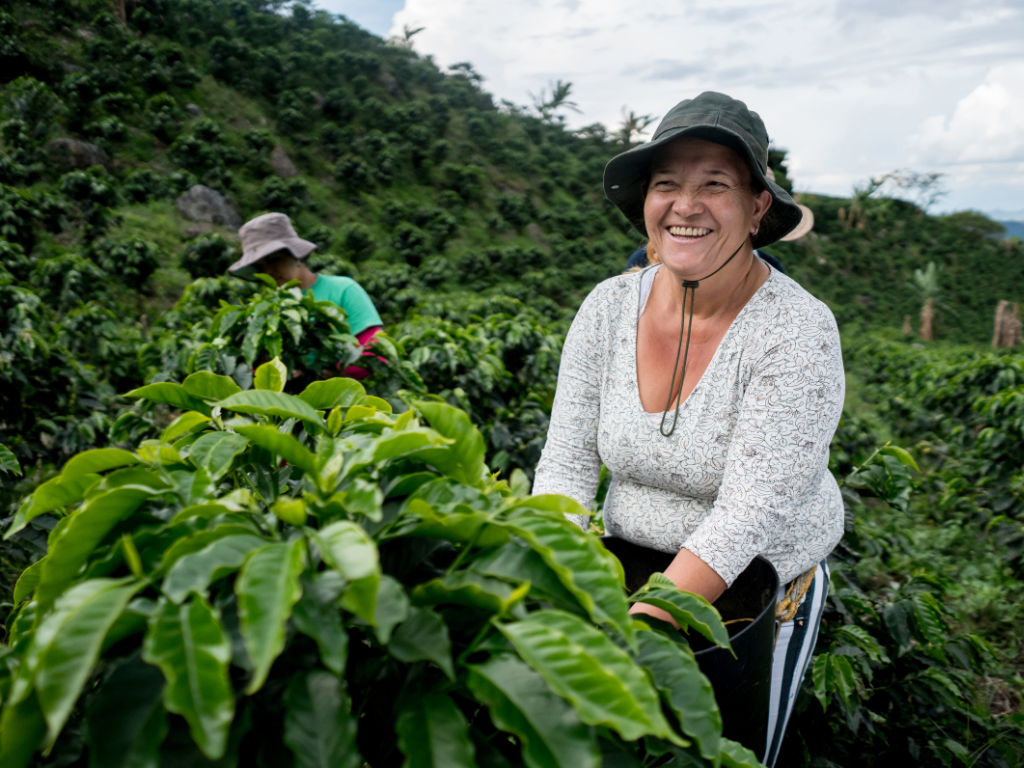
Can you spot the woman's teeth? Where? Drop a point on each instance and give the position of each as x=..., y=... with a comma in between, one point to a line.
x=688, y=231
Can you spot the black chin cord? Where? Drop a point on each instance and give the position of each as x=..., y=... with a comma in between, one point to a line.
x=689, y=290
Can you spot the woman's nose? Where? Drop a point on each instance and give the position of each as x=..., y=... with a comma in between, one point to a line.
x=687, y=202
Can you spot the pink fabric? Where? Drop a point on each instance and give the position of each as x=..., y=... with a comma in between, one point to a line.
x=364, y=337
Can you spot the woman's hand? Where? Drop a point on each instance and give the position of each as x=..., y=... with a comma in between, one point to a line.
x=657, y=613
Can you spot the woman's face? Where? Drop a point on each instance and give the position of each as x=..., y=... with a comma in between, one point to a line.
x=281, y=265
x=699, y=207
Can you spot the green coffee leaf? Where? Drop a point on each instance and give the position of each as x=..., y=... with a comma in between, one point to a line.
x=267, y=589
x=521, y=703
x=189, y=645
x=423, y=637
x=200, y=539
x=196, y=571
x=364, y=498
x=589, y=571
x=271, y=376
x=464, y=459
x=215, y=452
x=463, y=524
x=8, y=461
x=735, y=755
x=333, y=393
x=900, y=453
x=97, y=461
x=686, y=608
x=859, y=636
x=321, y=621
x=583, y=666
x=516, y=563
x=832, y=674
x=471, y=590
x=173, y=394
x=22, y=729
x=28, y=581
x=290, y=510
x=318, y=727
x=68, y=642
x=126, y=720
x=390, y=604
x=277, y=404
x=77, y=539
x=348, y=549
x=52, y=495
x=433, y=733
x=687, y=692
x=928, y=617
x=188, y=422
x=285, y=446
x=210, y=386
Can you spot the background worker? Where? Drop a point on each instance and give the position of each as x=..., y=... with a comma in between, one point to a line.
x=271, y=246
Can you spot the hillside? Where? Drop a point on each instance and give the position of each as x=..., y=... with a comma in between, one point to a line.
x=477, y=228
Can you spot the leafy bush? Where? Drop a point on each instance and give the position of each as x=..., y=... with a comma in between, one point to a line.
x=143, y=185
x=209, y=256
x=362, y=590
x=285, y=195
x=130, y=260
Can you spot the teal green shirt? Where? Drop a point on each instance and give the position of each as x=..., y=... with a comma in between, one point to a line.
x=350, y=296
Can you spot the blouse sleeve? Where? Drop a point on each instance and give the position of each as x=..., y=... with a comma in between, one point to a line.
x=779, y=451
x=569, y=463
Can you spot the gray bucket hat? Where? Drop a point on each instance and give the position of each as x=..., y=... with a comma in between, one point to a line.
x=713, y=117
x=264, y=235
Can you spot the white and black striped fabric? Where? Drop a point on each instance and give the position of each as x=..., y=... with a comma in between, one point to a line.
x=793, y=652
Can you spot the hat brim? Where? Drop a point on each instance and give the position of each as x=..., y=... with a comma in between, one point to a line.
x=626, y=176
x=245, y=266
x=803, y=228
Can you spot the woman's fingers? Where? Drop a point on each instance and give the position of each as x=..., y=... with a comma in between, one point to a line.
x=657, y=613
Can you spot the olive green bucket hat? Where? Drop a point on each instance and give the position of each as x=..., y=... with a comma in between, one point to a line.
x=713, y=117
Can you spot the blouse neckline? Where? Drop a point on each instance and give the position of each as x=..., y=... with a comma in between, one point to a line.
x=714, y=358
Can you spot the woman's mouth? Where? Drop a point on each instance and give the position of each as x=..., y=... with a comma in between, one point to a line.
x=689, y=234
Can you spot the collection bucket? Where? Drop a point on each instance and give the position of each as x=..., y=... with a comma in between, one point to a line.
x=743, y=684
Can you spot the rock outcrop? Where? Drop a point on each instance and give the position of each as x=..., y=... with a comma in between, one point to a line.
x=281, y=164
x=201, y=203
x=72, y=154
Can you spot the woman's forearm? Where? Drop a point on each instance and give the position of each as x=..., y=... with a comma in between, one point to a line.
x=691, y=574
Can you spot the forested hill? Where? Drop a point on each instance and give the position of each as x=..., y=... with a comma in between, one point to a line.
x=476, y=227
x=411, y=178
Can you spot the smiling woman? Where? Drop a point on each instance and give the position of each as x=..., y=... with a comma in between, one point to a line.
x=737, y=466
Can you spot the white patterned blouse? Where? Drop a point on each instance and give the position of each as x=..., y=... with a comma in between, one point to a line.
x=746, y=470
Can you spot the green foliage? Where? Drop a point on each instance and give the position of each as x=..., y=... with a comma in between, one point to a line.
x=240, y=560
x=414, y=183
x=209, y=256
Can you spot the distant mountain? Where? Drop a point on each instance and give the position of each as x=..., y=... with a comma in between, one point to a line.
x=1014, y=228
x=1006, y=215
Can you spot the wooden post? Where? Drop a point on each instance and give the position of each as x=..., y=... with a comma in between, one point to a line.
x=907, y=330
x=1007, y=331
x=997, y=330
x=1012, y=326
x=927, y=315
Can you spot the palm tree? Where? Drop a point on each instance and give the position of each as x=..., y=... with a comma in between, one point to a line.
x=632, y=124
x=547, y=106
x=926, y=285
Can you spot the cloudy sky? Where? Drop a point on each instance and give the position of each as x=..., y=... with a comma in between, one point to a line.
x=852, y=89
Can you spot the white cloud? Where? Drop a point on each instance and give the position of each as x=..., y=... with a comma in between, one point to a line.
x=987, y=125
x=843, y=85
